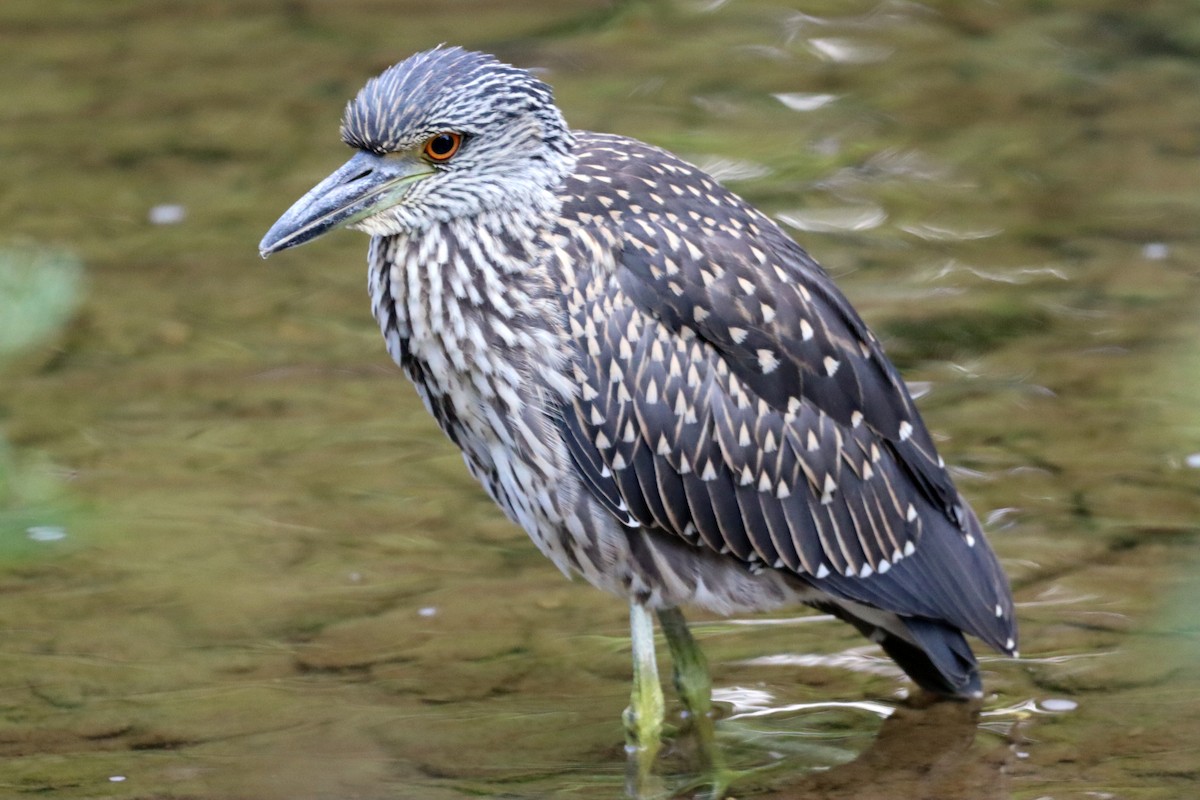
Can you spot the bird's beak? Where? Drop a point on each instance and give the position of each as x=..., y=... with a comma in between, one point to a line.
x=364, y=185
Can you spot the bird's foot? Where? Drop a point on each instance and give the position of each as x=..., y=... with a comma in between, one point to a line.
x=643, y=740
x=707, y=786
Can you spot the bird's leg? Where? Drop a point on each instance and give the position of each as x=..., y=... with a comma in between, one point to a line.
x=644, y=717
x=694, y=686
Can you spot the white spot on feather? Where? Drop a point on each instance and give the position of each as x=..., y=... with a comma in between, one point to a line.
x=767, y=361
x=830, y=488
x=651, y=395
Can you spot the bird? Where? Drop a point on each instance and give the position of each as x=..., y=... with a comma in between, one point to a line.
x=648, y=375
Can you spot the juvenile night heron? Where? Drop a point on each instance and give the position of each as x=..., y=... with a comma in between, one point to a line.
x=649, y=376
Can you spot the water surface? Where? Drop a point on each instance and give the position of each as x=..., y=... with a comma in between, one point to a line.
x=239, y=561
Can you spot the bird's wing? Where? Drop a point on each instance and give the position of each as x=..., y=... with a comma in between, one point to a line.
x=669, y=433
x=781, y=326
x=731, y=396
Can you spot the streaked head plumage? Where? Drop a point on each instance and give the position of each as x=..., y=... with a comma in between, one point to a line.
x=446, y=88
x=515, y=142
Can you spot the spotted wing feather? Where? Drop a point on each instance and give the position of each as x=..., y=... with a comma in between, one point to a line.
x=735, y=399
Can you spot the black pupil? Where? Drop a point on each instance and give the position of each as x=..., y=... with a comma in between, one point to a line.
x=443, y=144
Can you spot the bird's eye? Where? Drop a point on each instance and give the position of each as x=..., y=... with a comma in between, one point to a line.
x=443, y=146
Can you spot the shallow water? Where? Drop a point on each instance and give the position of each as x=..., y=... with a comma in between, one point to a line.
x=237, y=560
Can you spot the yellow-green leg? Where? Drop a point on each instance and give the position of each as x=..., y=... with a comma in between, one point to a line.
x=644, y=717
x=694, y=686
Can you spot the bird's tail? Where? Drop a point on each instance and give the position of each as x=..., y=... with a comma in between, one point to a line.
x=935, y=655
x=943, y=663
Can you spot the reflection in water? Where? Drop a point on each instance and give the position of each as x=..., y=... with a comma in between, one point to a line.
x=805, y=101
x=865, y=659
x=943, y=234
x=1025, y=708
x=829, y=220
x=848, y=51
x=746, y=703
x=729, y=170
x=922, y=753
x=919, y=754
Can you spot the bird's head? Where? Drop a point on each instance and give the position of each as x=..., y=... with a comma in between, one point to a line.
x=444, y=134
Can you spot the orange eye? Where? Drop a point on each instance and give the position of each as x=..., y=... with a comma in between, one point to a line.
x=443, y=146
